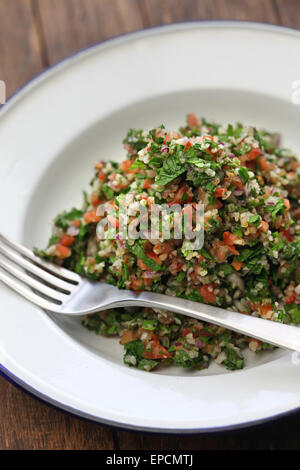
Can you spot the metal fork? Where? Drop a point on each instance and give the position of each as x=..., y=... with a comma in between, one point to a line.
x=61, y=291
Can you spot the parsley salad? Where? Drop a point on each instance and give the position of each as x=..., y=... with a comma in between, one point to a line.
x=249, y=262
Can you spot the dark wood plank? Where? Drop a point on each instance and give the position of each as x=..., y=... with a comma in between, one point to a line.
x=244, y=10
x=168, y=11
x=70, y=25
x=158, y=12
x=26, y=423
x=281, y=434
x=20, y=57
x=289, y=12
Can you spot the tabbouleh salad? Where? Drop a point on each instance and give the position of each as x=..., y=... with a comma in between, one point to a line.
x=250, y=188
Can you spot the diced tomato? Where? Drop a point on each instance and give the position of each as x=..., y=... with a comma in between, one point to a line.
x=251, y=164
x=264, y=226
x=91, y=217
x=95, y=201
x=128, y=336
x=157, y=351
x=287, y=235
x=163, y=248
x=266, y=309
x=233, y=250
x=98, y=165
x=208, y=348
x=264, y=164
x=155, y=258
x=230, y=239
x=218, y=204
x=237, y=182
x=192, y=120
x=66, y=240
x=207, y=292
x=63, y=251
x=147, y=184
x=220, y=192
x=291, y=299
x=195, y=330
x=237, y=265
x=76, y=223
x=253, y=154
x=178, y=267
x=142, y=265
x=136, y=284
x=126, y=165
x=178, y=197
x=187, y=331
x=254, y=306
x=219, y=251
x=188, y=145
x=148, y=282
x=102, y=176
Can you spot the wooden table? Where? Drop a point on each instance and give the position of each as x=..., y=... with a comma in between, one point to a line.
x=34, y=34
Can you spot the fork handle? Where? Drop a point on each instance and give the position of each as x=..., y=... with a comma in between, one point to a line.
x=275, y=333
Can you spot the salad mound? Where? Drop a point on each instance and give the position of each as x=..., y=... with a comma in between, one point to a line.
x=250, y=190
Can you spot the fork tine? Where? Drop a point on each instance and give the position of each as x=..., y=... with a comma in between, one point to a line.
x=33, y=269
x=31, y=282
x=28, y=294
x=56, y=270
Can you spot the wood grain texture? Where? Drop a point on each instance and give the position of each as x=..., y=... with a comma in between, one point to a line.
x=81, y=23
x=280, y=435
x=168, y=11
x=289, y=12
x=20, y=57
x=244, y=10
x=26, y=423
x=33, y=35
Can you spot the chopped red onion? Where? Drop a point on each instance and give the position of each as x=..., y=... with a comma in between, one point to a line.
x=151, y=275
x=238, y=192
x=72, y=231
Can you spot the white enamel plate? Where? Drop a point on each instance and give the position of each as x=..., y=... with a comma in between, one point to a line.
x=53, y=130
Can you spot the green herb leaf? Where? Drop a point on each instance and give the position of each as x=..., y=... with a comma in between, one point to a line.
x=135, y=348
x=138, y=250
x=63, y=219
x=171, y=169
x=244, y=175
